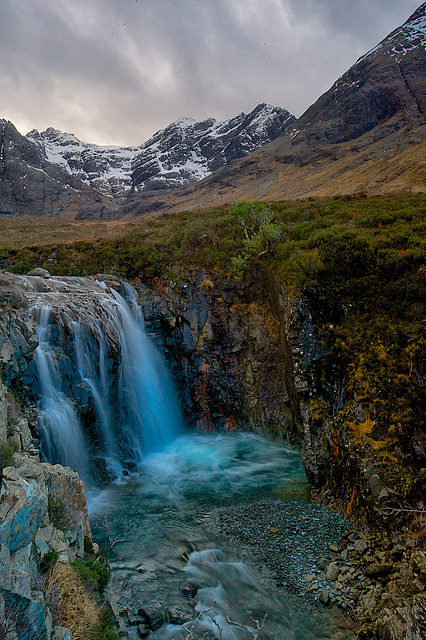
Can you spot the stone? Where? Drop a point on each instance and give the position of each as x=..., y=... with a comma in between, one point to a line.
x=22, y=510
x=324, y=597
x=3, y=412
x=143, y=631
x=378, y=570
x=332, y=572
x=152, y=618
x=189, y=590
x=361, y=546
x=38, y=271
x=61, y=633
x=5, y=582
x=322, y=563
x=179, y=615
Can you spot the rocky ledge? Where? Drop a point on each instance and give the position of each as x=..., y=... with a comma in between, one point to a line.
x=43, y=518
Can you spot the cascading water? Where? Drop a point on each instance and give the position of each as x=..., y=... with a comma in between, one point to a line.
x=93, y=350
x=106, y=402
x=61, y=435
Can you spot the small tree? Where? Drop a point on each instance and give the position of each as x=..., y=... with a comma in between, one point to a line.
x=261, y=233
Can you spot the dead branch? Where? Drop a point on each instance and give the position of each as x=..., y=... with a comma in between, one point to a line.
x=105, y=524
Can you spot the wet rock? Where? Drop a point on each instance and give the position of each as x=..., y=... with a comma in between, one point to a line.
x=153, y=619
x=189, y=590
x=179, y=615
x=38, y=271
x=324, y=598
x=143, y=631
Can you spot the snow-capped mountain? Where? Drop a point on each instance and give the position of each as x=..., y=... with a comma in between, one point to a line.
x=181, y=154
x=407, y=38
x=387, y=82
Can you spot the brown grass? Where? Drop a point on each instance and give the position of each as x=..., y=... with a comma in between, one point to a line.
x=25, y=232
x=72, y=607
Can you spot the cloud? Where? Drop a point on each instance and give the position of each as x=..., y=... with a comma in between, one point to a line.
x=115, y=72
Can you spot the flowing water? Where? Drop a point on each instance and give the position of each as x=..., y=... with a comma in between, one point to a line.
x=92, y=344
x=93, y=352
x=163, y=548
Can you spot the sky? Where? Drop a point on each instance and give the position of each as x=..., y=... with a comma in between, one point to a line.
x=117, y=71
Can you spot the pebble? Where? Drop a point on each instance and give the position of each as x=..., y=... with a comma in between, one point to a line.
x=272, y=532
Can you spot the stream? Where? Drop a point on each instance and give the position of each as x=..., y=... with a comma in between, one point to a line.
x=109, y=410
x=170, y=571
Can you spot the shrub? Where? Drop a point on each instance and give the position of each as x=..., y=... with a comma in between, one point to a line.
x=6, y=455
x=58, y=513
x=48, y=561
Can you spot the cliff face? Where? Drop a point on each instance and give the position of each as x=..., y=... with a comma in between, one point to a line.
x=250, y=357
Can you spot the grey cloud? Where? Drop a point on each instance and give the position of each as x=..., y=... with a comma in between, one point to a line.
x=115, y=72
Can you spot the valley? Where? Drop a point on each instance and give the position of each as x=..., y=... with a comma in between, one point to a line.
x=222, y=331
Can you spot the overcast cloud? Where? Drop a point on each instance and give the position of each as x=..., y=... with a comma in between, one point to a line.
x=116, y=71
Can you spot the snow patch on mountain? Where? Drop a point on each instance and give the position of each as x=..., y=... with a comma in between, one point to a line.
x=409, y=37
x=181, y=154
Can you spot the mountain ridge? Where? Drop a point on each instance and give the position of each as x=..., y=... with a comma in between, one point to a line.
x=181, y=154
x=366, y=133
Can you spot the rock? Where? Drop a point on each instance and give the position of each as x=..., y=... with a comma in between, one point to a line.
x=324, y=597
x=322, y=563
x=179, y=615
x=38, y=271
x=332, y=572
x=3, y=413
x=189, y=590
x=152, y=618
x=378, y=570
x=361, y=546
x=61, y=633
x=143, y=631
x=418, y=560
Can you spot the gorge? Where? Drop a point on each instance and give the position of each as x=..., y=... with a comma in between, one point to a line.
x=238, y=386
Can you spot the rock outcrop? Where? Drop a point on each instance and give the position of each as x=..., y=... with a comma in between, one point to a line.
x=43, y=515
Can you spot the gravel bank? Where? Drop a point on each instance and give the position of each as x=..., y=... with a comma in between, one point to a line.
x=295, y=540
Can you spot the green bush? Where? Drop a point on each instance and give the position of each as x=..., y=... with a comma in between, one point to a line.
x=6, y=455
x=48, y=561
x=94, y=571
x=103, y=630
x=58, y=513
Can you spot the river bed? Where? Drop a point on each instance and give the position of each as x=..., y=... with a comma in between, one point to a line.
x=177, y=575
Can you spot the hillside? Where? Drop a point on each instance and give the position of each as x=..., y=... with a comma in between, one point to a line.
x=366, y=133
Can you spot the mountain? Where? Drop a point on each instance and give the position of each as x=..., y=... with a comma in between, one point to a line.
x=30, y=185
x=181, y=154
x=366, y=133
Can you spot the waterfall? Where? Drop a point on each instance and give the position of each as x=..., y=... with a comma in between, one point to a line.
x=62, y=439
x=95, y=359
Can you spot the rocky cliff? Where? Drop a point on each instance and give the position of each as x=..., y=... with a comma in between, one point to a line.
x=32, y=186
x=249, y=356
